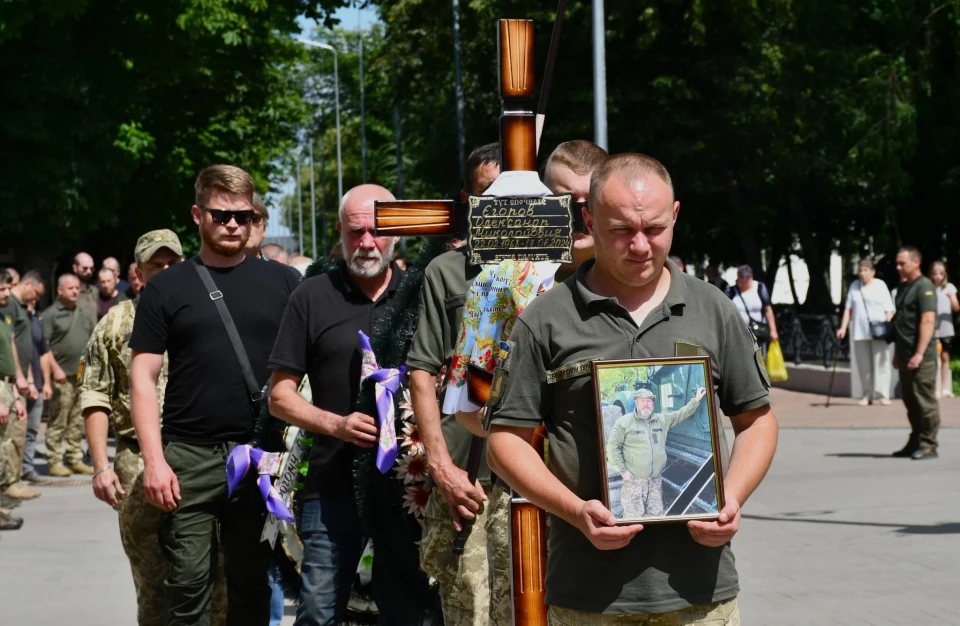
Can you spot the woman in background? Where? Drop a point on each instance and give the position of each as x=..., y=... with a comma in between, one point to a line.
x=947, y=305
x=868, y=300
x=753, y=302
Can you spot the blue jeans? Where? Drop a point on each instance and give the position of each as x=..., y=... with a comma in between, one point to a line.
x=276, y=596
x=34, y=414
x=332, y=545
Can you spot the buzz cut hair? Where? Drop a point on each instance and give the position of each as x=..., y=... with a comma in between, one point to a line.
x=65, y=277
x=226, y=178
x=913, y=252
x=579, y=156
x=480, y=156
x=630, y=168
x=33, y=277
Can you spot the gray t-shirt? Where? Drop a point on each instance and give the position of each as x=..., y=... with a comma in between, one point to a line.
x=663, y=568
x=944, y=311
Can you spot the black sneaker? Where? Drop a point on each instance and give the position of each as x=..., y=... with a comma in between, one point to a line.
x=906, y=451
x=926, y=452
x=9, y=522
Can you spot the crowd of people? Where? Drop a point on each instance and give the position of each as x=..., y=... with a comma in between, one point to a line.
x=179, y=359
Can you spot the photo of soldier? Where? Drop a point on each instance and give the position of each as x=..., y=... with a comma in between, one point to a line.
x=656, y=438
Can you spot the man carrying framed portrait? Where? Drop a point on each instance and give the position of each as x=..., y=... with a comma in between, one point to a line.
x=632, y=305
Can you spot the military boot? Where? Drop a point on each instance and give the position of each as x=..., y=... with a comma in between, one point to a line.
x=80, y=468
x=21, y=492
x=924, y=452
x=9, y=522
x=59, y=469
x=907, y=451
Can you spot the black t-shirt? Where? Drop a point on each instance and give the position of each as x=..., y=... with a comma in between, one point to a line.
x=319, y=338
x=207, y=400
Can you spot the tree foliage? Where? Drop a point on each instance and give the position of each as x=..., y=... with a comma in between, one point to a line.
x=109, y=109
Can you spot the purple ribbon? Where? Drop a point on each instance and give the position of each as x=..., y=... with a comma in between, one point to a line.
x=387, y=383
x=241, y=459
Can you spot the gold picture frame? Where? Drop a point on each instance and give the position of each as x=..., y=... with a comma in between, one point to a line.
x=659, y=439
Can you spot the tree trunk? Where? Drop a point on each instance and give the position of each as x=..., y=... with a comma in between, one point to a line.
x=818, y=295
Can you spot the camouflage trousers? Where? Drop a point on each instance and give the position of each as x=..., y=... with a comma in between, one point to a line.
x=13, y=436
x=66, y=423
x=138, y=533
x=642, y=497
x=725, y=613
x=475, y=586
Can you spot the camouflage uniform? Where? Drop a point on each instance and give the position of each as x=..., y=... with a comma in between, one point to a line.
x=724, y=613
x=10, y=453
x=66, y=423
x=642, y=496
x=475, y=602
x=105, y=383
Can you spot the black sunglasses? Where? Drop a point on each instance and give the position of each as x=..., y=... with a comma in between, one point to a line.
x=223, y=216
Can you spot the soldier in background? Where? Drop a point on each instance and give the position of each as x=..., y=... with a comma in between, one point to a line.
x=68, y=328
x=105, y=395
x=12, y=408
x=83, y=267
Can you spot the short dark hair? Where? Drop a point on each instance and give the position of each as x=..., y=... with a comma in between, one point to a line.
x=913, y=252
x=33, y=276
x=488, y=153
x=226, y=178
x=580, y=156
x=631, y=167
x=5, y=277
x=866, y=262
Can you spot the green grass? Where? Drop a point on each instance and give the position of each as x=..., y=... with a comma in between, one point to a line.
x=955, y=368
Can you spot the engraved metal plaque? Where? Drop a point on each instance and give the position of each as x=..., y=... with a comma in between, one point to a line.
x=528, y=229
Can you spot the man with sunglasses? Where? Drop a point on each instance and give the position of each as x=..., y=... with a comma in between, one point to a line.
x=258, y=228
x=207, y=408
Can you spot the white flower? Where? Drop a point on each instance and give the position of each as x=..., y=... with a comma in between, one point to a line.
x=415, y=499
x=412, y=468
x=411, y=439
x=406, y=406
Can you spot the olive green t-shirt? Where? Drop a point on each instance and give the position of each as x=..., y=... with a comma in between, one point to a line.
x=17, y=315
x=663, y=568
x=68, y=332
x=445, y=283
x=7, y=366
x=913, y=300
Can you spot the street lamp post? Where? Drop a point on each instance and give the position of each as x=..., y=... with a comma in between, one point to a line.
x=336, y=96
x=599, y=77
x=313, y=206
x=300, y=197
x=363, y=116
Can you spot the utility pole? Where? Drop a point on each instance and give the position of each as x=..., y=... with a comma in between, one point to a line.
x=313, y=206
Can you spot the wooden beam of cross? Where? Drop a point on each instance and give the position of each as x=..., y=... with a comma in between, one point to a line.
x=537, y=227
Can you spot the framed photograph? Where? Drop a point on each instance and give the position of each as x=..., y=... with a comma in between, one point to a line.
x=659, y=445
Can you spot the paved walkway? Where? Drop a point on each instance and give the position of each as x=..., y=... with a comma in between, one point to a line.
x=839, y=533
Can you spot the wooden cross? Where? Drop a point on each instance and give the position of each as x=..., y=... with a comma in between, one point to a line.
x=535, y=229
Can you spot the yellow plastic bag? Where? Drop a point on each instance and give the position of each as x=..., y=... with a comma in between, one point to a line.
x=776, y=368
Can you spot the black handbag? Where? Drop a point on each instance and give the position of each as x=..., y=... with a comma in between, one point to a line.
x=881, y=331
x=760, y=330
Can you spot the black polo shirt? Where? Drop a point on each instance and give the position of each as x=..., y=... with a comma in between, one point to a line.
x=319, y=338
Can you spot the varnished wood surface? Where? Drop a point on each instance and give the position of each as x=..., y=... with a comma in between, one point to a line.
x=479, y=382
x=518, y=141
x=515, y=41
x=396, y=218
x=529, y=543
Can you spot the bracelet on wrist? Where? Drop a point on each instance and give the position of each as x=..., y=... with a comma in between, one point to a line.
x=101, y=470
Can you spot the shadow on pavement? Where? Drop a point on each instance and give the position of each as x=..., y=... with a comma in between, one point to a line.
x=859, y=455
x=943, y=528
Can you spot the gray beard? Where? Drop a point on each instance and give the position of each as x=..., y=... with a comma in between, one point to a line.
x=369, y=270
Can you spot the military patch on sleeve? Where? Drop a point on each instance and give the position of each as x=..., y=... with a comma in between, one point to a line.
x=454, y=302
x=499, y=379
x=762, y=368
x=683, y=348
x=81, y=367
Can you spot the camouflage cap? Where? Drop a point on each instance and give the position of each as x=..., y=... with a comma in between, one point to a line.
x=643, y=392
x=149, y=243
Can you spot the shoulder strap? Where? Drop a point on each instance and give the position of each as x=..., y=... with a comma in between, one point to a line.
x=746, y=309
x=256, y=393
x=866, y=309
